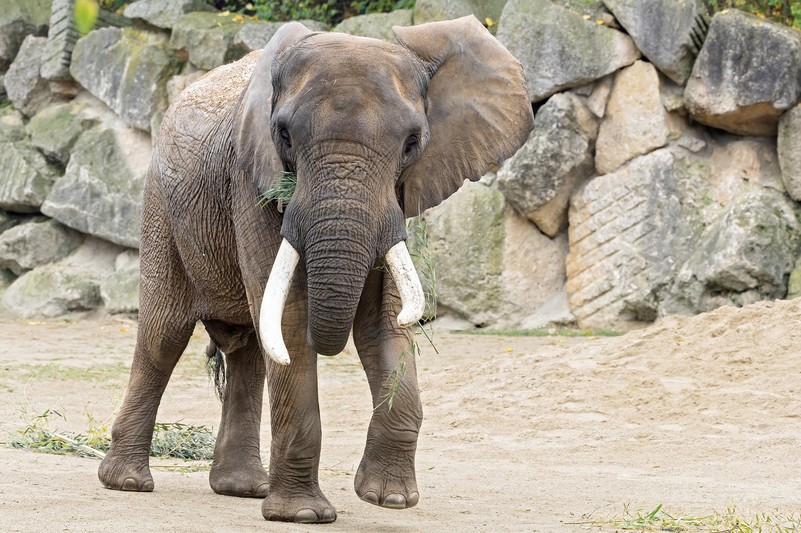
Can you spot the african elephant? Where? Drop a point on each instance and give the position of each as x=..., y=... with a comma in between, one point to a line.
x=375, y=132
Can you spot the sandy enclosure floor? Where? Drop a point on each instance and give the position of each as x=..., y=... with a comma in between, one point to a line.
x=520, y=434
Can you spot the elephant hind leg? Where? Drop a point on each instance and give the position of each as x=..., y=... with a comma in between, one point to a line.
x=237, y=469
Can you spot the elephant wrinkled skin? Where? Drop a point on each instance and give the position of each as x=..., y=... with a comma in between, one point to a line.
x=376, y=132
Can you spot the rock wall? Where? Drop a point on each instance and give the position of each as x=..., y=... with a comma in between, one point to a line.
x=662, y=175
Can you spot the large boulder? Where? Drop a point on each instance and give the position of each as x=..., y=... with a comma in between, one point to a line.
x=54, y=129
x=51, y=291
x=120, y=288
x=635, y=122
x=18, y=19
x=539, y=179
x=164, y=13
x=436, y=10
x=256, y=34
x=207, y=39
x=493, y=267
x=25, y=177
x=127, y=69
x=36, y=243
x=788, y=141
x=664, y=31
x=63, y=34
x=25, y=87
x=746, y=75
x=101, y=191
x=12, y=125
x=376, y=25
x=558, y=48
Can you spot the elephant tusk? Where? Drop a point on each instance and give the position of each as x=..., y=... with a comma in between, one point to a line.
x=411, y=291
x=273, y=301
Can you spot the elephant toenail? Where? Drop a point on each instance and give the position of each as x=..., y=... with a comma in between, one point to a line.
x=412, y=500
x=394, y=501
x=262, y=491
x=329, y=515
x=130, y=484
x=306, y=516
x=370, y=497
x=147, y=486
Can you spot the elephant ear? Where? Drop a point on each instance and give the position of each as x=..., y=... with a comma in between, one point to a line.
x=255, y=152
x=479, y=112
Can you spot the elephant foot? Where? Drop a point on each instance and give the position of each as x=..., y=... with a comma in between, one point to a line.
x=243, y=480
x=389, y=481
x=125, y=473
x=303, y=509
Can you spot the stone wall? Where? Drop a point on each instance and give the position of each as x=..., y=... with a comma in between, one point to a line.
x=662, y=175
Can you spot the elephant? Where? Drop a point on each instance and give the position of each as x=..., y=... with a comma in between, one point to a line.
x=375, y=132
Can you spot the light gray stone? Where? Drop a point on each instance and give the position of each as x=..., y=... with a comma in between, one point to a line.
x=12, y=125
x=63, y=34
x=51, y=291
x=663, y=31
x=746, y=75
x=788, y=143
x=376, y=25
x=436, y=10
x=493, y=267
x=127, y=69
x=539, y=178
x=558, y=48
x=164, y=13
x=25, y=177
x=207, y=39
x=36, y=243
x=100, y=193
x=120, y=289
x=256, y=34
x=18, y=19
x=55, y=129
x=26, y=89
x=636, y=122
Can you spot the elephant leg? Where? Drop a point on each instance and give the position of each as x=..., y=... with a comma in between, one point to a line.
x=294, y=493
x=237, y=469
x=160, y=342
x=386, y=475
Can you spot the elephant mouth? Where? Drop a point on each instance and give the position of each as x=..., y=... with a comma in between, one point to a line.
x=276, y=291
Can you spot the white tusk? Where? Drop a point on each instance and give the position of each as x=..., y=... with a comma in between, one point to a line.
x=413, y=300
x=273, y=300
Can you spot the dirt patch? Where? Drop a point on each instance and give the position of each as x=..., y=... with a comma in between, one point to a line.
x=520, y=433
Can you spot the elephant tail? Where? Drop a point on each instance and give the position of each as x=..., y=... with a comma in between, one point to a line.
x=215, y=366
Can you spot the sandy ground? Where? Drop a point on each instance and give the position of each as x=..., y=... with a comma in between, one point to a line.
x=520, y=434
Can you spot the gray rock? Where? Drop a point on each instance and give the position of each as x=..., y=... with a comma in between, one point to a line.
x=788, y=141
x=636, y=122
x=36, y=243
x=127, y=69
x=63, y=34
x=12, y=125
x=164, y=13
x=747, y=256
x=376, y=25
x=539, y=178
x=663, y=30
x=25, y=177
x=746, y=75
x=26, y=89
x=794, y=283
x=55, y=129
x=558, y=48
x=493, y=267
x=100, y=193
x=256, y=34
x=435, y=10
x=52, y=291
x=207, y=39
x=120, y=289
x=18, y=19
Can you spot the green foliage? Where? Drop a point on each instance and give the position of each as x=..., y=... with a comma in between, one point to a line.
x=280, y=193
x=787, y=12
x=330, y=12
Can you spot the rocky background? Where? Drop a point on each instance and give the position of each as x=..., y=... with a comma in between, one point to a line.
x=662, y=177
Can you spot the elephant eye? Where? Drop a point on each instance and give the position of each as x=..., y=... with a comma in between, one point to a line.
x=410, y=147
x=285, y=138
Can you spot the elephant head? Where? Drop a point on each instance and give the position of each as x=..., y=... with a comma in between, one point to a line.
x=376, y=132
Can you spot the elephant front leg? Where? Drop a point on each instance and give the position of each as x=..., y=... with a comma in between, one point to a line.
x=386, y=475
x=294, y=494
